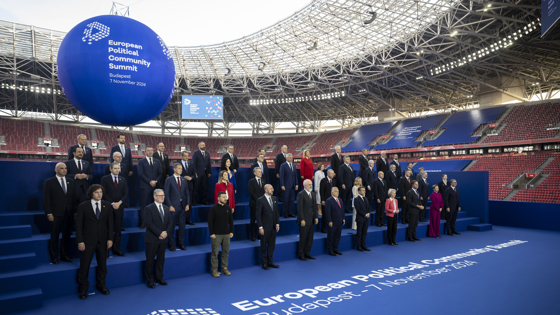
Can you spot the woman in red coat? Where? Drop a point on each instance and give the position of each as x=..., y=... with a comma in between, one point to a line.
x=224, y=185
x=435, y=212
x=392, y=210
x=306, y=167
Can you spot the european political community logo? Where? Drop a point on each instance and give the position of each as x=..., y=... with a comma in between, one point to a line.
x=95, y=31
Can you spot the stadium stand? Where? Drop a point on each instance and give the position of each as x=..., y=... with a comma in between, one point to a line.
x=547, y=191
x=22, y=135
x=293, y=143
x=365, y=135
x=326, y=142
x=407, y=131
x=67, y=136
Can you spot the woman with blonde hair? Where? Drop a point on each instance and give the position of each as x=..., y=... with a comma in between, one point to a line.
x=392, y=210
x=224, y=185
x=319, y=175
x=357, y=184
x=306, y=166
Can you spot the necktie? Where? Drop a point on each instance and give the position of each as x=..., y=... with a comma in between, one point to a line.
x=408, y=180
x=122, y=150
x=97, y=212
x=270, y=202
x=203, y=155
x=338, y=202
x=83, y=149
x=330, y=182
x=63, y=184
x=417, y=195
x=350, y=167
x=116, y=183
x=179, y=183
x=382, y=182
x=262, y=169
x=185, y=166
x=80, y=165
x=259, y=181
x=161, y=212
x=150, y=161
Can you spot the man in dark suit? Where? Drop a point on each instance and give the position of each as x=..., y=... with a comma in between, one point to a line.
x=452, y=205
x=202, y=173
x=262, y=165
x=259, y=151
x=88, y=153
x=78, y=171
x=177, y=198
x=334, y=212
x=424, y=189
x=307, y=218
x=115, y=192
x=392, y=177
x=158, y=223
x=381, y=189
x=363, y=160
x=346, y=177
x=362, y=218
x=256, y=190
x=405, y=186
x=268, y=221
x=395, y=162
x=419, y=175
x=117, y=157
x=60, y=202
x=126, y=153
x=443, y=185
x=409, y=168
x=278, y=162
x=326, y=185
x=149, y=171
x=188, y=174
x=232, y=157
x=164, y=161
x=336, y=161
x=414, y=206
x=289, y=185
x=368, y=180
x=382, y=165
x=94, y=235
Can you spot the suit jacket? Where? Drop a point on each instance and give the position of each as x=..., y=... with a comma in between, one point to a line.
x=288, y=178
x=306, y=208
x=264, y=173
x=392, y=179
x=165, y=169
x=381, y=166
x=57, y=203
x=325, y=189
x=148, y=173
x=380, y=190
x=113, y=194
x=81, y=184
x=390, y=207
x=363, y=164
x=368, y=178
x=189, y=171
x=405, y=186
x=123, y=172
x=346, y=176
x=234, y=163
x=397, y=170
x=89, y=229
x=419, y=177
x=424, y=189
x=443, y=187
x=127, y=158
x=267, y=217
x=335, y=163
x=362, y=208
x=411, y=173
x=202, y=166
x=154, y=224
x=278, y=161
x=255, y=191
x=88, y=156
x=413, y=201
x=451, y=199
x=175, y=197
x=333, y=212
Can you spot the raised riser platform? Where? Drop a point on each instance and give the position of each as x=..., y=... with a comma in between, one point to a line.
x=21, y=300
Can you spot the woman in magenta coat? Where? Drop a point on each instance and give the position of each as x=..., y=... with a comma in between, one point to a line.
x=435, y=212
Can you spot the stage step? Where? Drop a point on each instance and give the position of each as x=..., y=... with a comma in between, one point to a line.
x=23, y=300
x=15, y=232
x=17, y=262
x=480, y=227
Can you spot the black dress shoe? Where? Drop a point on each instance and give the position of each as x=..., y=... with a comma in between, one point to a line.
x=379, y=225
x=383, y=224
x=302, y=258
x=119, y=253
x=332, y=254
x=309, y=256
x=411, y=240
x=337, y=252
x=392, y=244
x=253, y=238
x=455, y=232
x=182, y=247
x=206, y=203
x=190, y=223
x=323, y=231
x=366, y=249
x=417, y=239
x=194, y=204
x=292, y=216
x=285, y=216
x=395, y=243
x=360, y=249
x=161, y=282
x=265, y=267
x=151, y=286
x=65, y=258
x=122, y=228
x=424, y=220
x=142, y=226
x=54, y=261
x=438, y=236
x=450, y=234
x=271, y=265
x=83, y=295
x=103, y=290
x=348, y=211
x=172, y=248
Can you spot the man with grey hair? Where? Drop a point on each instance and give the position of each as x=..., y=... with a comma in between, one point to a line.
x=307, y=218
x=88, y=154
x=336, y=161
x=289, y=185
x=326, y=186
x=382, y=165
x=158, y=221
x=203, y=171
x=278, y=161
x=117, y=157
x=232, y=157
x=256, y=190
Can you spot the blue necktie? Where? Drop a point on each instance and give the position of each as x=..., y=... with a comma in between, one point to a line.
x=97, y=212
x=161, y=213
x=417, y=195
x=382, y=182
x=270, y=201
x=63, y=184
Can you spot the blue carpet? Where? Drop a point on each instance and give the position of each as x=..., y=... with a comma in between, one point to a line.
x=520, y=279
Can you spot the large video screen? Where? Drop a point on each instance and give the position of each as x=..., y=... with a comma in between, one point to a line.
x=550, y=13
x=203, y=107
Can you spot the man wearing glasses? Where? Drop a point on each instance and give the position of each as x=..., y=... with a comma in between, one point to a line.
x=158, y=223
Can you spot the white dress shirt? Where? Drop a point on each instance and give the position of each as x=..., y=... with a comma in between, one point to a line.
x=93, y=202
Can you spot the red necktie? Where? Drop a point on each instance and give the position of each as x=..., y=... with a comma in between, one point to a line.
x=338, y=203
x=116, y=184
x=179, y=183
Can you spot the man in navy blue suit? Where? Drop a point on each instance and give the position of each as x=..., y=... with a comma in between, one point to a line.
x=79, y=171
x=262, y=165
x=188, y=174
x=177, y=199
x=368, y=180
x=158, y=223
x=149, y=171
x=395, y=162
x=392, y=178
x=362, y=218
x=268, y=221
x=126, y=153
x=412, y=175
x=424, y=190
x=380, y=188
x=346, y=181
x=203, y=171
x=116, y=192
x=452, y=205
x=289, y=185
x=334, y=213
x=117, y=157
x=88, y=153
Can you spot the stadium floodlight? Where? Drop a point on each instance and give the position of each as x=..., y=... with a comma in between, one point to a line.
x=316, y=97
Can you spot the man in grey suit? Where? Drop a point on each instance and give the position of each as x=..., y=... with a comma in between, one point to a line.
x=307, y=218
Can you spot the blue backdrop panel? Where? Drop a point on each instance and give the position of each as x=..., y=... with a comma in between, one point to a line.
x=439, y=166
x=461, y=125
x=365, y=134
x=530, y=215
x=408, y=130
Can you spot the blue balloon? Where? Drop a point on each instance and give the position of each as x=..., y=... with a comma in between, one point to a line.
x=116, y=70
